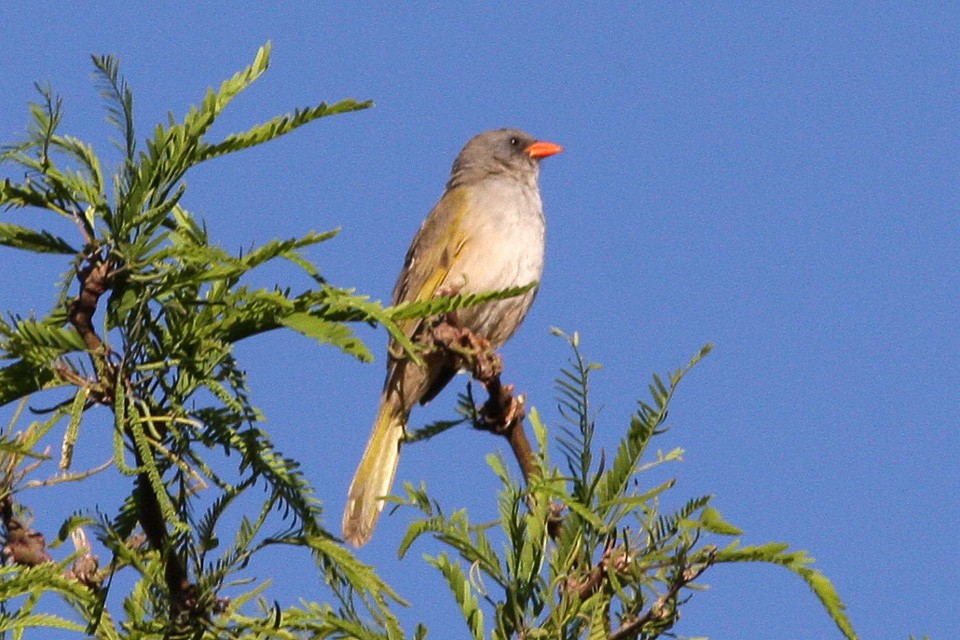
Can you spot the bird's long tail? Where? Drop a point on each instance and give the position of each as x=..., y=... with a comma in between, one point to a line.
x=374, y=477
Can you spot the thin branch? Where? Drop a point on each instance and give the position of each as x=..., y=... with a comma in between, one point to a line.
x=68, y=477
x=95, y=279
x=665, y=606
x=503, y=412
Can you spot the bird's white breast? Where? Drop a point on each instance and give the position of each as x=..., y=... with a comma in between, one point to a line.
x=505, y=242
x=510, y=233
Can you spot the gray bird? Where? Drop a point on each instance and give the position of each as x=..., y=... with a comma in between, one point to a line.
x=486, y=233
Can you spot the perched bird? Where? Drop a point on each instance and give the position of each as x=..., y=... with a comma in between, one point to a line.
x=486, y=233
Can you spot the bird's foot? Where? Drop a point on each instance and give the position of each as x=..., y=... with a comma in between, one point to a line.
x=473, y=351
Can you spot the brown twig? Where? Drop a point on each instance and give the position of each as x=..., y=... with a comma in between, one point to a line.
x=664, y=608
x=613, y=557
x=503, y=412
x=95, y=279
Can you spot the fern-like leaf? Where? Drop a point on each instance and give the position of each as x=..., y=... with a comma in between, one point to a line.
x=278, y=126
x=18, y=237
x=799, y=563
x=462, y=593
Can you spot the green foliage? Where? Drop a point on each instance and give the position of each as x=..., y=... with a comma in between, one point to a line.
x=171, y=306
x=587, y=550
x=143, y=329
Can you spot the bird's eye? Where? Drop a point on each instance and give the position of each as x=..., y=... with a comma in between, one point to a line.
x=514, y=142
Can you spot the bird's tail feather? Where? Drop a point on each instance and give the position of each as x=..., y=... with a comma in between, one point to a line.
x=374, y=477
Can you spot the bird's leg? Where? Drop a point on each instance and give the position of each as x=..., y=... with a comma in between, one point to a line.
x=470, y=351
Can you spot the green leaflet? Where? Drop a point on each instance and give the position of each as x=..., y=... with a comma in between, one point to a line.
x=13, y=235
x=462, y=593
x=326, y=332
x=798, y=562
x=589, y=550
x=20, y=379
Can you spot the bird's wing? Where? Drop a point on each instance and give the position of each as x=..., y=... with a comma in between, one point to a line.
x=433, y=254
x=435, y=250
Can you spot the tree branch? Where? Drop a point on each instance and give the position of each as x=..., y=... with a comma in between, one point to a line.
x=503, y=413
x=664, y=609
x=95, y=279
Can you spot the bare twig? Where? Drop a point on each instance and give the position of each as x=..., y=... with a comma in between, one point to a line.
x=502, y=413
x=615, y=558
x=68, y=477
x=95, y=279
x=664, y=608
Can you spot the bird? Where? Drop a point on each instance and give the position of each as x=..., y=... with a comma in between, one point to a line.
x=486, y=233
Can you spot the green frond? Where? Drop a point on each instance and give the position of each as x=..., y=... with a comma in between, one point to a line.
x=145, y=239
x=70, y=436
x=278, y=126
x=798, y=562
x=119, y=100
x=87, y=185
x=41, y=342
x=343, y=569
x=235, y=557
x=285, y=248
x=711, y=520
x=214, y=102
x=462, y=593
x=573, y=404
x=668, y=526
x=643, y=426
x=24, y=443
x=615, y=480
x=326, y=332
x=148, y=466
x=13, y=235
x=18, y=622
x=597, y=609
x=22, y=195
x=205, y=529
x=434, y=428
x=75, y=521
x=445, y=304
x=16, y=581
x=46, y=119
x=22, y=378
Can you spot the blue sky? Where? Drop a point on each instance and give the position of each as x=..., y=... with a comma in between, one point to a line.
x=779, y=180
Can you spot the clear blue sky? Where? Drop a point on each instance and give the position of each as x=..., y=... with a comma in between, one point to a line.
x=779, y=179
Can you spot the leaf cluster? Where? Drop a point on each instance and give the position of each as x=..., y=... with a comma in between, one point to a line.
x=144, y=325
x=587, y=549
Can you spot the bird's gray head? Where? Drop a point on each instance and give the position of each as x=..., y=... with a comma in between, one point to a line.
x=508, y=152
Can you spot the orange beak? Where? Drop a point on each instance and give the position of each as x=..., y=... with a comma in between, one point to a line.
x=542, y=149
